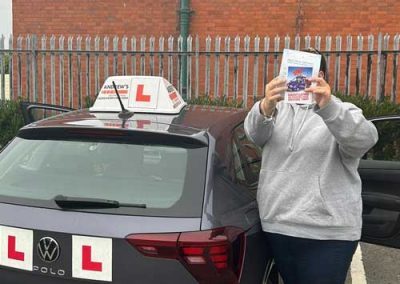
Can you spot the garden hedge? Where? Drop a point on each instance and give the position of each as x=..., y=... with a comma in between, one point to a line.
x=11, y=116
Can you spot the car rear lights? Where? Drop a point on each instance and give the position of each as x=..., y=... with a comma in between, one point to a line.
x=212, y=256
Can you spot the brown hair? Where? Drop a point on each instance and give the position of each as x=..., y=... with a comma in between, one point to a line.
x=323, y=60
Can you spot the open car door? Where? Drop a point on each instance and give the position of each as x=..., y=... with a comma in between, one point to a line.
x=380, y=173
x=35, y=111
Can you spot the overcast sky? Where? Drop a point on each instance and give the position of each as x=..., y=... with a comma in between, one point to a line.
x=5, y=18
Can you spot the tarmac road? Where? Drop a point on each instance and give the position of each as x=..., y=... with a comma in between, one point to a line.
x=380, y=265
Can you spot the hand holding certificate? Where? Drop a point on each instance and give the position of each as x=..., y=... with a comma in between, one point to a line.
x=296, y=68
x=272, y=96
x=321, y=91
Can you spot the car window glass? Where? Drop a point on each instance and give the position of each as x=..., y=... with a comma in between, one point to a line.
x=156, y=175
x=249, y=155
x=237, y=163
x=388, y=146
x=42, y=113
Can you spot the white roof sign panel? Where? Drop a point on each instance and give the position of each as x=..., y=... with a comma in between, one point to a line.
x=149, y=94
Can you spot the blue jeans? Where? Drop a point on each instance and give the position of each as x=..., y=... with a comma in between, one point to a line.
x=309, y=261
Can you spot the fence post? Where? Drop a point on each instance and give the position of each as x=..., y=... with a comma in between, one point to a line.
x=28, y=41
x=216, y=66
x=97, y=65
x=207, y=78
x=236, y=69
x=297, y=41
x=255, y=70
x=348, y=64
x=170, y=59
x=179, y=66
x=79, y=67
x=337, y=63
x=87, y=47
x=369, y=65
x=152, y=42
x=265, y=67
x=35, y=72
x=61, y=68
x=307, y=41
x=43, y=55
x=133, y=54
x=189, y=66
x=142, y=55
x=276, y=55
x=161, y=56
x=396, y=45
x=2, y=70
x=246, y=70
x=317, y=42
x=287, y=41
x=11, y=66
x=124, y=48
x=115, y=57
x=52, y=70
x=384, y=65
x=328, y=48
x=378, y=96
x=197, y=47
x=19, y=63
x=106, y=41
x=70, y=74
x=360, y=40
x=226, y=67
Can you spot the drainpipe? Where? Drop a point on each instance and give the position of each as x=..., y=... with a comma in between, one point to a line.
x=184, y=21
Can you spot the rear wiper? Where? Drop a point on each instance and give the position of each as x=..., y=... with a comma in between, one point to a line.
x=66, y=202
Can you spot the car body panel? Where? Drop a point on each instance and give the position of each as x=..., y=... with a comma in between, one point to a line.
x=83, y=223
x=226, y=202
x=380, y=174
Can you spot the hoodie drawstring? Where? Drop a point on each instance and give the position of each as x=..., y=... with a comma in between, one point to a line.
x=294, y=135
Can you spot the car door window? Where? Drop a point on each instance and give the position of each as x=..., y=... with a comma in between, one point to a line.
x=246, y=158
x=379, y=171
x=35, y=111
x=388, y=146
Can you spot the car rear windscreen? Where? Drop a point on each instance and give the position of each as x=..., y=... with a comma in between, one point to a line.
x=169, y=180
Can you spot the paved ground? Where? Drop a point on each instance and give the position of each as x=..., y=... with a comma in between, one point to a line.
x=380, y=265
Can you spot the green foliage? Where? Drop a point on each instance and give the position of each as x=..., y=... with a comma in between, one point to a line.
x=204, y=100
x=369, y=105
x=6, y=60
x=11, y=120
x=89, y=101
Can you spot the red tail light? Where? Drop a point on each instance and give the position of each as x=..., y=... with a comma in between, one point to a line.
x=213, y=256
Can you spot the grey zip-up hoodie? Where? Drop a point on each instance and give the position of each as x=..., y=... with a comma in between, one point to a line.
x=309, y=185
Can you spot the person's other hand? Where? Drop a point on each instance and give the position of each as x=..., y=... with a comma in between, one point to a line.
x=273, y=94
x=321, y=91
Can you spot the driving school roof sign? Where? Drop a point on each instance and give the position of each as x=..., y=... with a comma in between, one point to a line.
x=148, y=94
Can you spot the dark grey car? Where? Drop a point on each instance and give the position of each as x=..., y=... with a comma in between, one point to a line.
x=88, y=197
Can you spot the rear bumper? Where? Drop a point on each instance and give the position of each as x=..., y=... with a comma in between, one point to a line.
x=9, y=276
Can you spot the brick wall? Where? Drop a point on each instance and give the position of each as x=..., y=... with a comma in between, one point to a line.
x=209, y=17
x=95, y=17
x=213, y=17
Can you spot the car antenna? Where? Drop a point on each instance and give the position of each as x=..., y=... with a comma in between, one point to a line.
x=124, y=114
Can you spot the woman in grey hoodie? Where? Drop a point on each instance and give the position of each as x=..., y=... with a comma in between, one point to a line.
x=309, y=192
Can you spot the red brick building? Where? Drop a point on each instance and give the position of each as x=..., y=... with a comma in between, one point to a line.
x=209, y=17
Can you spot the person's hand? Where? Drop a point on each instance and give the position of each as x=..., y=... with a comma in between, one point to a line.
x=273, y=94
x=321, y=91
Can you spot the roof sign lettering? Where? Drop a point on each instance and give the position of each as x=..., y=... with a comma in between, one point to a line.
x=146, y=94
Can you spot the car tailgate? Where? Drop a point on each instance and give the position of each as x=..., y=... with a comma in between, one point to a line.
x=89, y=247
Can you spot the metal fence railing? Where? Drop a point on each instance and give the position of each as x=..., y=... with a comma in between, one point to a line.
x=68, y=70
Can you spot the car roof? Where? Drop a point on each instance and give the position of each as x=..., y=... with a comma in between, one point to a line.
x=192, y=119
